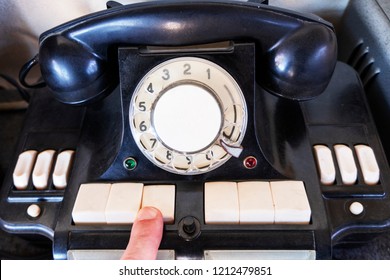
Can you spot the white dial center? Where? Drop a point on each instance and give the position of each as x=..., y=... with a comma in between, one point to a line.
x=187, y=118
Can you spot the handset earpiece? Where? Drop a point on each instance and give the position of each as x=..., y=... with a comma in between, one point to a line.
x=296, y=54
x=75, y=74
x=299, y=66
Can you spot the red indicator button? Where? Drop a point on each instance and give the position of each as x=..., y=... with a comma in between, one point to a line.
x=250, y=162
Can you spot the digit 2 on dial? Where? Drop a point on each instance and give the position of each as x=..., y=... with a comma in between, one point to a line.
x=185, y=113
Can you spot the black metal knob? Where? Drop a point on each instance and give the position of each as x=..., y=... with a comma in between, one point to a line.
x=189, y=225
x=189, y=228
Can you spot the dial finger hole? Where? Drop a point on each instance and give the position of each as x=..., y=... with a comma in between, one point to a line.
x=143, y=102
x=141, y=122
x=163, y=155
x=231, y=133
x=151, y=86
x=218, y=153
x=182, y=162
x=234, y=114
x=202, y=161
x=149, y=141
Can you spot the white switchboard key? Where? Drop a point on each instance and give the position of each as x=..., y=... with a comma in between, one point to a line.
x=325, y=164
x=90, y=204
x=221, y=203
x=347, y=165
x=291, y=202
x=42, y=168
x=256, y=203
x=368, y=164
x=62, y=169
x=23, y=169
x=123, y=203
x=161, y=197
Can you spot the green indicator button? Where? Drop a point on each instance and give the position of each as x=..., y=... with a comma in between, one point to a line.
x=130, y=163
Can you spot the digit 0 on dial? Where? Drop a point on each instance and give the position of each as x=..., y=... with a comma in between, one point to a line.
x=183, y=110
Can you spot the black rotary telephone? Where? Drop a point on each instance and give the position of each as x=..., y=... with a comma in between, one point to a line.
x=235, y=119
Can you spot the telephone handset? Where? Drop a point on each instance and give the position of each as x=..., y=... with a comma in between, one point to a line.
x=295, y=54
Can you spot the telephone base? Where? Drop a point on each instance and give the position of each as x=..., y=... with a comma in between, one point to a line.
x=283, y=139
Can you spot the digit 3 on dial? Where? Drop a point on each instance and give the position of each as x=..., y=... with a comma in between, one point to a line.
x=188, y=115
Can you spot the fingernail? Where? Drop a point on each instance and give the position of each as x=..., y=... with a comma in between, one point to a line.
x=147, y=213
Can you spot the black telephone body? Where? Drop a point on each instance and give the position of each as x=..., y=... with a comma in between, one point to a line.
x=197, y=95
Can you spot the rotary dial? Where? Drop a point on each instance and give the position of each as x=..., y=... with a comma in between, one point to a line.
x=187, y=115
